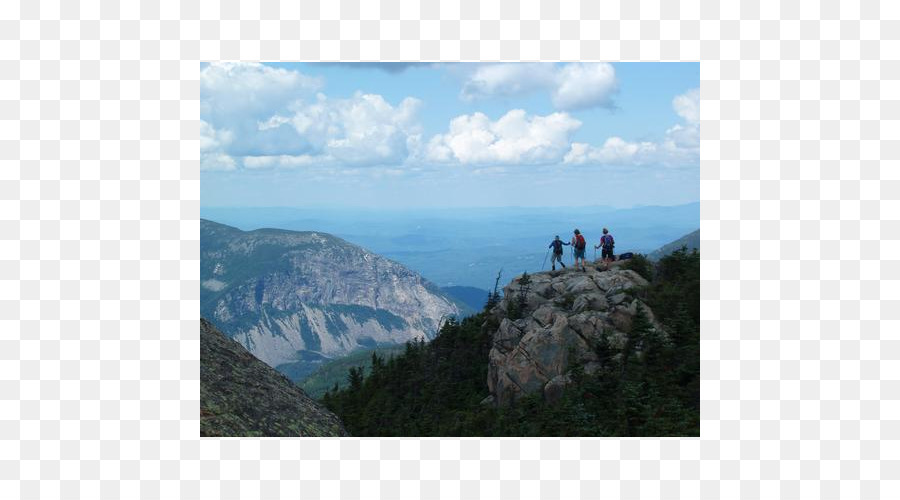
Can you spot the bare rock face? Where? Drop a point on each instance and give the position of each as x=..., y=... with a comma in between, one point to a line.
x=294, y=297
x=242, y=396
x=566, y=314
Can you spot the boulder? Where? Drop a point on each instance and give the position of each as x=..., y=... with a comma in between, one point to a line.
x=553, y=390
x=543, y=315
x=568, y=315
x=590, y=301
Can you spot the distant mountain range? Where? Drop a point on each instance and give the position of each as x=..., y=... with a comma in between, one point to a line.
x=691, y=241
x=467, y=247
x=296, y=299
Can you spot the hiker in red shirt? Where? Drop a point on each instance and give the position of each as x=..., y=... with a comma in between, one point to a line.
x=579, y=244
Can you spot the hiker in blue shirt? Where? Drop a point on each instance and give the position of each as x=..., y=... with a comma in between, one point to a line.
x=608, y=243
x=556, y=245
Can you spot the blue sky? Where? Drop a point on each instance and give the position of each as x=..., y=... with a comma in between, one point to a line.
x=449, y=135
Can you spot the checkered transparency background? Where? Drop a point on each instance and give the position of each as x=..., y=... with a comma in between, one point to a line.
x=99, y=249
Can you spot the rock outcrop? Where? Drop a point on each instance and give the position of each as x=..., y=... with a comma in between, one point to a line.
x=242, y=396
x=566, y=314
x=297, y=298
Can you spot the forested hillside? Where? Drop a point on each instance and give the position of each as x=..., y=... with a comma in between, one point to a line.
x=647, y=386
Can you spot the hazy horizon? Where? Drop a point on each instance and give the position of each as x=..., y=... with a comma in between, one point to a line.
x=468, y=247
x=385, y=208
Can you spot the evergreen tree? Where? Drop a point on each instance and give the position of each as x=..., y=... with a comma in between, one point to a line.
x=649, y=388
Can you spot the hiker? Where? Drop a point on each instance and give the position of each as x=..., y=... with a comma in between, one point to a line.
x=579, y=244
x=607, y=243
x=557, y=245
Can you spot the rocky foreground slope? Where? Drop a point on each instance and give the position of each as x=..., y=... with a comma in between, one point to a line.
x=295, y=298
x=555, y=323
x=242, y=396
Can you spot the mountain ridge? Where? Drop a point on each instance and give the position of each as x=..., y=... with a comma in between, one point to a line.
x=281, y=293
x=691, y=241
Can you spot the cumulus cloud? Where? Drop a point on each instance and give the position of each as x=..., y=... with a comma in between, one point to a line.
x=683, y=140
x=571, y=86
x=259, y=116
x=687, y=106
x=362, y=130
x=582, y=86
x=680, y=145
x=684, y=136
x=614, y=150
x=515, y=138
x=235, y=97
x=212, y=142
x=507, y=79
x=238, y=89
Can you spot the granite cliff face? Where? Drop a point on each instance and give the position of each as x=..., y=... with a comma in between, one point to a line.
x=555, y=323
x=242, y=396
x=296, y=298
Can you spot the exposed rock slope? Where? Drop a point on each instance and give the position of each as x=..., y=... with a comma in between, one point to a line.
x=242, y=396
x=297, y=297
x=566, y=315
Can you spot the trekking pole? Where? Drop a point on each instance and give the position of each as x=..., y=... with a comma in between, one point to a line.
x=545, y=259
x=595, y=254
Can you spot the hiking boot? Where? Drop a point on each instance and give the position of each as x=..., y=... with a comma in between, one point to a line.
x=553, y=268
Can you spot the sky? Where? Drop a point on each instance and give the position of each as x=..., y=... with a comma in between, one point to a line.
x=412, y=135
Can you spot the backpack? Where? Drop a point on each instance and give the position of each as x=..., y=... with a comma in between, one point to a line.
x=579, y=242
x=557, y=246
x=608, y=242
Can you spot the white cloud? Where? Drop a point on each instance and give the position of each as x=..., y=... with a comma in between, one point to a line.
x=507, y=79
x=584, y=85
x=572, y=86
x=212, y=142
x=279, y=161
x=362, y=130
x=614, y=150
x=687, y=136
x=259, y=116
x=217, y=161
x=515, y=138
x=229, y=89
x=236, y=97
x=683, y=141
x=680, y=146
x=687, y=105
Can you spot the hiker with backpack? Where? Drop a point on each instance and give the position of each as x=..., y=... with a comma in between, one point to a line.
x=557, y=245
x=607, y=243
x=579, y=244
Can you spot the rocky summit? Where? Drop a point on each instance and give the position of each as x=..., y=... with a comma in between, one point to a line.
x=295, y=298
x=242, y=396
x=554, y=322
